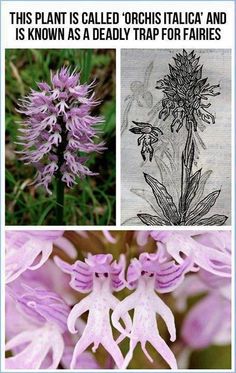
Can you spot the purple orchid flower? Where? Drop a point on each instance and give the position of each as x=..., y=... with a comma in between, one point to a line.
x=58, y=127
x=28, y=321
x=215, y=327
x=30, y=250
x=150, y=273
x=42, y=344
x=205, y=253
x=100, y=276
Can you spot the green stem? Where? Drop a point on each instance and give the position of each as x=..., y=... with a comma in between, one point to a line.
x=60, y=202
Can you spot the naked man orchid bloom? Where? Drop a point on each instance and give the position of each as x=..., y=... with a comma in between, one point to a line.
x=214, y=327
x=147, y=275
x=212, y=258
x=23, y=248
x=86, y=299
x=99, y=275
x=58, y=128
x=48, y=314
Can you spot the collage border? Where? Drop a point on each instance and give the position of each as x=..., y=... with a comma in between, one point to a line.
x=118, y=168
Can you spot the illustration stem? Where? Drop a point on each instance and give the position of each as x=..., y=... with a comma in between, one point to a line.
x=60, y=202
x=186, y=171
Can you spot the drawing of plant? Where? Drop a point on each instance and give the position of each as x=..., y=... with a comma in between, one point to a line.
x=185, y=100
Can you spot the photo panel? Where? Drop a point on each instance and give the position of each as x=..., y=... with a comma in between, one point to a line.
x=118, y=299
x=60, y=136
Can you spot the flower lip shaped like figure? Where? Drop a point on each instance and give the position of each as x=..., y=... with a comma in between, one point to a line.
x=58, y=127
x=151, y=272
x=99, y=275
x=47, y=314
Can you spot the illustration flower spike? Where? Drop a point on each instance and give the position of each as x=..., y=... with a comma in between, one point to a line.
x=100, y=276
x=146, y=275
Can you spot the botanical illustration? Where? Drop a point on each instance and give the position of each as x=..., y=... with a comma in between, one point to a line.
x=187, y=96
x=118, y=299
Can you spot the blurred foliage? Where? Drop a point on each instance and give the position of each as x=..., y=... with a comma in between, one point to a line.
x=92, y=201
x=213, y=357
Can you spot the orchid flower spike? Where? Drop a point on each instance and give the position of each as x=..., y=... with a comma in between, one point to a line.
x=148, y=274
x=99, y=275
x=58, y=128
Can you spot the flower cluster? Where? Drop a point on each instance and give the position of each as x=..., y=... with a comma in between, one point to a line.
x=185, y=92
x=59, y=128
x=50, y=291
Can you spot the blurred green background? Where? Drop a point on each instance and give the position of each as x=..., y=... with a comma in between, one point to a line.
x=92, y=201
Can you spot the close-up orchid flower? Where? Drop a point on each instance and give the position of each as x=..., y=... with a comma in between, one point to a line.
x=99, y=276
x=148, y=274
x=86, y=299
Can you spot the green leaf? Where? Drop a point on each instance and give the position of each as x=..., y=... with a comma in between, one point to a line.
x=152, y=220
x=164, y=199
x=202, y=207
x=212, y=220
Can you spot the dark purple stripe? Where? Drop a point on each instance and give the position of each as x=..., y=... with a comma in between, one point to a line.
x=168, y=282
x=167, y=274
x=84, y=274
x=83, y=282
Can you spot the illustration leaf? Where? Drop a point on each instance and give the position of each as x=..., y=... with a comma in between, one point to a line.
x=152, y=220
x=164, y=199
x=147, y=75
x=131, y=221
x=212, y=220
x=202, y=184
x=125, y=121
x=167, y=176
x=192, y=188
x=149, y=198
x=202, y=207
